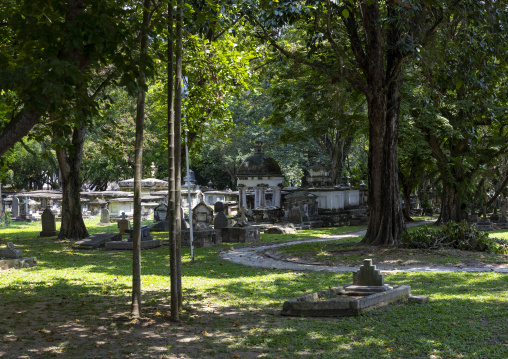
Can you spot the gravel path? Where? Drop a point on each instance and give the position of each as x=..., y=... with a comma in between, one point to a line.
x=263, y=257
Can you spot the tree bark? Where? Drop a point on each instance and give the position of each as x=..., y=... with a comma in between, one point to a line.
x=18, y=128
x=138, y=170
x=386, y=221
x=73, y=226
x=178, y=148
x=172, y=202
x=450, y=204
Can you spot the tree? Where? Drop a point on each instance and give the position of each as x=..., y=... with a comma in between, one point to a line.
x=458, y=107
x=365, y=43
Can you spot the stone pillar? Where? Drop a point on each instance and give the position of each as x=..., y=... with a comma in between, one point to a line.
x=276, y=196
x=242, y=196
x=262, y=198
x=256, y=197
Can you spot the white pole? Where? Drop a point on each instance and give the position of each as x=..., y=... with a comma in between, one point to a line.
x=184, y=94
x=189, y=200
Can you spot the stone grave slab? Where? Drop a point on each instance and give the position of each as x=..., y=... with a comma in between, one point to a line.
x=11, y=257
x=126, y=245
x=367, y=292
x=240, y=234
x=94, y=241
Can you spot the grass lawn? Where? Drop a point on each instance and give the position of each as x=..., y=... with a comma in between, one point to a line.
x=75, y=304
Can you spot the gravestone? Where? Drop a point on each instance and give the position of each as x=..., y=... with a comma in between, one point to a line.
x=295, y=216
x=15, y=207
x=124, y=225
x=48, y=224
x=202, y=216
x=145, y=234
x=220, y=221
x=503, y=222
x=368, y=275
x=104, y=217
x=10, y=252
x=160, y=213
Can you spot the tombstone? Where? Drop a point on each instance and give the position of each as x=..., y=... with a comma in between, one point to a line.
x=160, y=213
x=10, y=252
x=368, y=275
x=295, y=215
x=220, y=221
x=104, y=217
x=202, y=216
x=15, y=207
x=124, y=225
x=48, y=224
x=145, y=234
x=218, y=207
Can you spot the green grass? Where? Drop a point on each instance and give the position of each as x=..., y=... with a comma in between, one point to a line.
x=57, y=308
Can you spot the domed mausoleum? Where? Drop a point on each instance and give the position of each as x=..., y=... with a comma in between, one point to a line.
x=260, y=172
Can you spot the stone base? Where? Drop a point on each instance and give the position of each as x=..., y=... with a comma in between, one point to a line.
x=125, y=245
x=201, y=238
x=240, y=234
x=343, y=301
x=94, y=241
x=48, y=234
x=102, y=224
x=484, y=226
x=24, y=262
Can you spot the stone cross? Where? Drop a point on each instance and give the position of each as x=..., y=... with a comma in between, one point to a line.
x=368, y=275
x=242, y=211
x=123, y=216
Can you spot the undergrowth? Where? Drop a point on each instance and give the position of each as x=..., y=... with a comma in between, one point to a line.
x=453, y=235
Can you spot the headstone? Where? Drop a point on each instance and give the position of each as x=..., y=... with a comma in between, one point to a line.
x=220, y=221
x=105, y=216
x=10, y=252
x=202, y=216
x=15, y=207
x=295, y=215
x=218, y=207
x=160, y=213
x=368, y=275
x=48, y=224
x=124, y=225
x=145, y=234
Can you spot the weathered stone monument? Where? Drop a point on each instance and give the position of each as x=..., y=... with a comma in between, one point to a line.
x=220, y=220
x=367, y=292
x=48, y=224
x=15, y=207
x=203, y=235
x=241, y=232
x=105, y=220
x=160, y=212
x=503, y=222
x=10, y=257
x=124, y=225
x=295, y=216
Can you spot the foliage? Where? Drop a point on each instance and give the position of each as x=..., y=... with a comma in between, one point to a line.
x=453, y=235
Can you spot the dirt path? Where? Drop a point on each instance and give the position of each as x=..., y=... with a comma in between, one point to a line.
x=266, y=256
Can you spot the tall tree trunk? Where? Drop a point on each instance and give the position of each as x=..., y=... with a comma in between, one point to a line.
x=450, y=203
x=178, y=148
x=172, y=203
x=138, y=170
x=73, y=226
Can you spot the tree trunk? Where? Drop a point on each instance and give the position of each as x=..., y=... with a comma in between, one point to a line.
x=73, y=226
x=178, y=148
x=138, y=170
x=386, y=221
x=450, y=204
x=172, y=203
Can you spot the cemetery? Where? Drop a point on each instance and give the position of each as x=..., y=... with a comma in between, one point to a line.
x=253, y=179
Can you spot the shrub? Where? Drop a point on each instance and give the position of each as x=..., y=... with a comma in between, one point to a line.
x=454, y=235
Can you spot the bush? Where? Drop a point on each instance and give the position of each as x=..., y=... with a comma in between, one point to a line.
x=454, y=235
